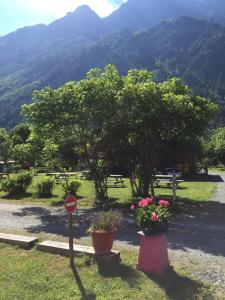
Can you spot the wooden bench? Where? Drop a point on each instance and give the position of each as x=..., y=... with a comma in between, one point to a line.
x=86, y=174
x=115, y=180
x=168, y=182
x=78, y=175
x=26, y=242
x=3, y=175
x=60, y=178
x=63, y=249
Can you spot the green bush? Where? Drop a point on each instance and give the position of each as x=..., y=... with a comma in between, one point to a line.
x=72, y=186
x=44, y=187
x=17, y=184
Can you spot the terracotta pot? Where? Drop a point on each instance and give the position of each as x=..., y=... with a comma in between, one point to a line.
x=103, y=241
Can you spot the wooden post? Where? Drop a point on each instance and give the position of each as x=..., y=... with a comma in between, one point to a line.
x=174, y=187
x=70, y=231
x=70, y=206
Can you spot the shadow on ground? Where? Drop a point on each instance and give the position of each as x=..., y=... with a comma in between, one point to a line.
x=85, y=295
x=200, y=226
x=185, y=288
x=55, y=221
x=205, y=178
x=17, y=197
x=126, y=273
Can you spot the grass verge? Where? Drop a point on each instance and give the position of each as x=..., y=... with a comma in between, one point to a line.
x=193, y=190
x=36, y=275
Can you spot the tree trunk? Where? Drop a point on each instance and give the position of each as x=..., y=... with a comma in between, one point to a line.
x=101, y=190
x=146, y=175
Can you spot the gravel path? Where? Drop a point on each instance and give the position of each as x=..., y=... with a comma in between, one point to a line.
x=220, y=193
x=197, y=238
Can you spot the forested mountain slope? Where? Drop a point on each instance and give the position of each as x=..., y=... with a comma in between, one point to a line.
x=193, y=49
x=139, y=14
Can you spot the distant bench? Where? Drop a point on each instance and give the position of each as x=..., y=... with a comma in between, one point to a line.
x=116, y=180
x=59, y=177
x=3, y=175
x=167, y=179
x=167, y=182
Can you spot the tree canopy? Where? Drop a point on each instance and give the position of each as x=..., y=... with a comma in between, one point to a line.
x=112, y=118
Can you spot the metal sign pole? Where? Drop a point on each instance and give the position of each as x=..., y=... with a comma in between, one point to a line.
x=70, y=206
x=174, y=187
x=70, y=231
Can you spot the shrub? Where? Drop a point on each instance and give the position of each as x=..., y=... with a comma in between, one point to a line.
x=17, y=184
x=72, y=186
x=44, y=187
x=106, y=221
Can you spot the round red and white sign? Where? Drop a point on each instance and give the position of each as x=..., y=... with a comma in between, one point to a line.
x=70, y=203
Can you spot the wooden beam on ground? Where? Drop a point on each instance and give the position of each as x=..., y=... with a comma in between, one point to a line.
x=63, y=249
x=26, y=242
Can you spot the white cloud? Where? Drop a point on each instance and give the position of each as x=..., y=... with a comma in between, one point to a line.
x=59, y=8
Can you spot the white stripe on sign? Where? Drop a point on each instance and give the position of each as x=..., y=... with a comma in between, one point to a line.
x=70, y=204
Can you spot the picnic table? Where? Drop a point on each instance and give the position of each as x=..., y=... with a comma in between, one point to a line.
x=59, y=176
x=167, y=179
x=85, y=174
x=115, y=180
x=81, y=174
x=3, y=175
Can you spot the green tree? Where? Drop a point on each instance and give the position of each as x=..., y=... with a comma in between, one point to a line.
x=27, y=145
x=20, y=133
x=156, y=116
x=214, y=146
x=5, y=147
x=112, y=118
x=84, y=111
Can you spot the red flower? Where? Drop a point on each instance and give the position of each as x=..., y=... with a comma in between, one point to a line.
x=145, y=202
x=154, y=217
x=164, y=203
x=132, y=207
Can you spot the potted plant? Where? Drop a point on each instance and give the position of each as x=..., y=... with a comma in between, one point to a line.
x=152, y=215
x=103, y=229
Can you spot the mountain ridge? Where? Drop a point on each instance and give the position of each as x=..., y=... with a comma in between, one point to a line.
x=67, y=48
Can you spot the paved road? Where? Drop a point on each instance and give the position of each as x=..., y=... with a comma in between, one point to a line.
x=197, y=234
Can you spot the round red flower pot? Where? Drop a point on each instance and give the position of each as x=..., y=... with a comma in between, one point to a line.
x=103, y=241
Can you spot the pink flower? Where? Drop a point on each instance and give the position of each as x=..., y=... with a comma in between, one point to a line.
x=149, y=200
x=154, y=217
x=141, y=203
x=132, y=207
x=145, y=202
x=164, y=203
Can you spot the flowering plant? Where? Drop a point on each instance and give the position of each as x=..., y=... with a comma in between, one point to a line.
x=152, y=215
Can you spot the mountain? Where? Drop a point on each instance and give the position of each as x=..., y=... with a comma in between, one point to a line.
x=17, y=47
x=33, y=57
x=140, y=14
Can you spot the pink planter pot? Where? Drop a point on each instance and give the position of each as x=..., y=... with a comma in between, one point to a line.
x=153, y=254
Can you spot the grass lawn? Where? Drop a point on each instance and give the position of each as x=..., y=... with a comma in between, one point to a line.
x=189, y=190
x=35, y=275
x=193, y=190
x=217, y=169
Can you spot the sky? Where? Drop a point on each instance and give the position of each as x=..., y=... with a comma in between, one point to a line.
x=15, y=14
